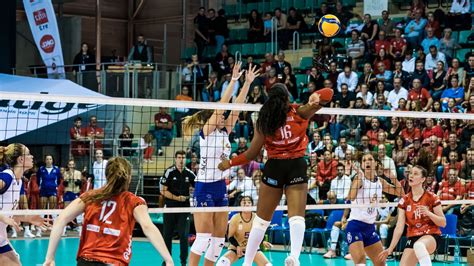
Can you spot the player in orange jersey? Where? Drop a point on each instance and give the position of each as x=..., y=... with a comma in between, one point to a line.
x=421, y=211
x=109, y=218
x=281, y=127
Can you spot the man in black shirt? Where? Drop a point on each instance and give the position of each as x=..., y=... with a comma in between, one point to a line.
x=201, y=31
x=140, y=51
x=175, y=186
x=345, y=98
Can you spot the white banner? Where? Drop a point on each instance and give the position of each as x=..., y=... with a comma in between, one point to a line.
x=375, y=7
x=44, y=28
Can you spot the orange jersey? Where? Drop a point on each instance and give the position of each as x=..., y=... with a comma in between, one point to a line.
x=289, y=141
x=417, y=223
x=107, y=229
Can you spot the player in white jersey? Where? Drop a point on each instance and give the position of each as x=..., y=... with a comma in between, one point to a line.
x=18, y=159
x=210, y=189
x=367, y=188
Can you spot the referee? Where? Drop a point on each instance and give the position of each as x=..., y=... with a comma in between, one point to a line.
x=175, y=186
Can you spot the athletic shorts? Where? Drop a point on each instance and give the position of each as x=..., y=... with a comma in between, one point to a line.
x=235, y=250
x=5, y=249
x=70, y=196
x=412, y=240
x=48, y=193
x=279, y=173
x=22, y=190
x=360, y=231
x=84, y=262
x=212, y=194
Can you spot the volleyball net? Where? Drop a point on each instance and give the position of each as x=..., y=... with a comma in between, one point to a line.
x=81, y=133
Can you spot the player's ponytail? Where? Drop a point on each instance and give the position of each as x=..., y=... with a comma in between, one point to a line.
x=195, y=121
x=425, y=163
x=272, y=115
x=10, y=154
x=118, y=173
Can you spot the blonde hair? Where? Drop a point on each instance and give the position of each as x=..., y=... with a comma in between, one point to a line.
x=195, y=121
x=148, y=138
x=118, y=174
x=10, y=153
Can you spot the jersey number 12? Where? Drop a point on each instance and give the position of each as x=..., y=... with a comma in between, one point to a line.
x=105, y=205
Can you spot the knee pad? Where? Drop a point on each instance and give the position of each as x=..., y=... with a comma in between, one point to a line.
x=360, y=264
x=260, y=224
x=420, y=250
x=224, y=261
x=269, y=264
x=200, y=243
x=296, y=220
x=383, y=231
x=215, y=248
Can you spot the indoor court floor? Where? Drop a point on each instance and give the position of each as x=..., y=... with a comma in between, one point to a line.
x=32, y=253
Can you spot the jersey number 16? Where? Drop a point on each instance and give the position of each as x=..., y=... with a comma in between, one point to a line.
x=285, y=132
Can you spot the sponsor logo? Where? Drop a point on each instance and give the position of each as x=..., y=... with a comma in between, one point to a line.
x=47, y=43
x=297, y=180
x=40, y=17
x=271, y=181
x=349, y=237
x=45, y=108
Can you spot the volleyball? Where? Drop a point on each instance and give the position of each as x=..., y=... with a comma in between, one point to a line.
x=329, y=25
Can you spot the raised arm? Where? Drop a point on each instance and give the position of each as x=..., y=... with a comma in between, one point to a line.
x=245, y=157
x=308, y=110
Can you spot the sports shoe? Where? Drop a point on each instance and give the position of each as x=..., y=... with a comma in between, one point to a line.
x=64, y=234
x=14, y=234
x=291, y=261
x=38, y=233
x=330, y=254
x=28, y=233
x=160, y=152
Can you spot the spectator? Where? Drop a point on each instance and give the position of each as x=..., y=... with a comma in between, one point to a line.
x=295, y=22
x=341, y=184
x=325, y=50
x=402, y=105
x=355, y=49
x=365, y=146
x=420, y=54
x=369, y=32
x=451, y=189
x=221, y=31
x=126, y=139
x=380, y=104
x=268, y=64
x=175, y=186
x=398, y=45
x=366, y=95
x=193, y=164
x=382, y=57
x=414, y=29
x=211, y=90
x=84, y=60
x=272, y=79
x=410, y=132
x=420, y=96
x=282, y=28
x=453, y=163
x=470, y=67
x=368, y=77
x=194, y=70
x=242, y=146
x=163, y=129
x=306, y=92
x=255, y=32
x=343, y=14
x=95, y=133
x=382, y=139
x=221, y=64
x=241, y=185
x=382, y=43
x=340, y=150
x=458, y=15
x=201, y=31
x=313, y=190
x=437, y=152
x=327, y=171
x=267, y=25
x=468, y=167
x=394, y=129
x=448, y=44
x=470, y=99
x=402, y=74
x=417, y=6
x=420, y=73
x=141, y=51
x=227, y=79
x=316, y=77
x=290, y=81
x=433, y=57
x=316, y=145
x=433, y=24
x=456, y=71
x=387, y=24
x=256, y=96
x=452, y=146
x=322, y=11
x=387, y=162
x=438, y=81
x=351, y=165
x=348, y=77
x=431, y=129
x=146, y=146
x=454, y=92
x=345, y=98
x=281, y=63
x=243, y=127
x=332, y=76
x=372, y=134
x=430, y=40
x=380, y=90
x=400, y=156
x=182, y=111
x=384, y=74
x=414, y=151
x=98, y=170
x=452, y=126
x=409, y=63
x=79, y=145
x=396, y=94
x=465, y=222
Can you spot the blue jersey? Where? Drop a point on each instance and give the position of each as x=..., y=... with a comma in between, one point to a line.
x=48, y=180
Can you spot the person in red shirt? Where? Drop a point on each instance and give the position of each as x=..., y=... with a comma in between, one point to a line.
x=382, y=43
x=431, y=129
x=410, y=132
x=327, y=171
x=374, y=132
x=423, y=215
x=110, y=214
x=94, y=133
x=420, y=95
x=398, y=45
x=452, y=189
x=78, y=136
x=163, y=132
x=281, y=127
x=453, y=164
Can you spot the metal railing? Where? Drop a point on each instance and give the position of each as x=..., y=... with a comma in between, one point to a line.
x=296, y=40
x=274, y=36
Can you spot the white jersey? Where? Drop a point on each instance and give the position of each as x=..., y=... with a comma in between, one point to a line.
x=213, y=149
x=98, y=170
x=9, y=198
x=369, y=193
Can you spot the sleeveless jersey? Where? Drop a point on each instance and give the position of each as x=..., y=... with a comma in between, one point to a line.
x=370, y=192
x=289, y=141
x=243, y=230
x=9, y=198
x=417, y=223
x=107, y=229
x=214, y=148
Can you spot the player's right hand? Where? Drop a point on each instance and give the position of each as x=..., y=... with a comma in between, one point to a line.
x=383, y=255
x=224, y=165
x=169, y=263
x=49, y=262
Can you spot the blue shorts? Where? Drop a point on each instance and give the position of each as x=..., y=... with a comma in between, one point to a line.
x=70, y=196
x=5, y=249
x=48, y=193
x=211, y=194
x=360, y=231
x=22, y=190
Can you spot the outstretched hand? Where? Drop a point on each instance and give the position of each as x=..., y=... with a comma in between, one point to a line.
x=252, y=73
x=314, y=99
x=236, y=73
x=384, y=254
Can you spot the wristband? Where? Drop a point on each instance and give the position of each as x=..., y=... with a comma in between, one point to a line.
x=235, y=79
x=233, y=241
x=239, y=160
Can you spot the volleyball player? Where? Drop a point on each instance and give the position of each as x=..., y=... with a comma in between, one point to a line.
x=110, y=214
x=239, y=229
x=281, y=127
x=367, y=188
x=421, y=211
x=210, y=189
x=18, y=159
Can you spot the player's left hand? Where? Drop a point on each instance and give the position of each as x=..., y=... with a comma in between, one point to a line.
x=252, y=73
x=37, y=220
x=11, y=222
x=383, y=255
x=49, y=262
x=314, y=99
x=268, y=245
x=224, y=165
x=424, y=210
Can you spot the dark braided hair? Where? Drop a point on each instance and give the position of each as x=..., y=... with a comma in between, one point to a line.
x=272, y=115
